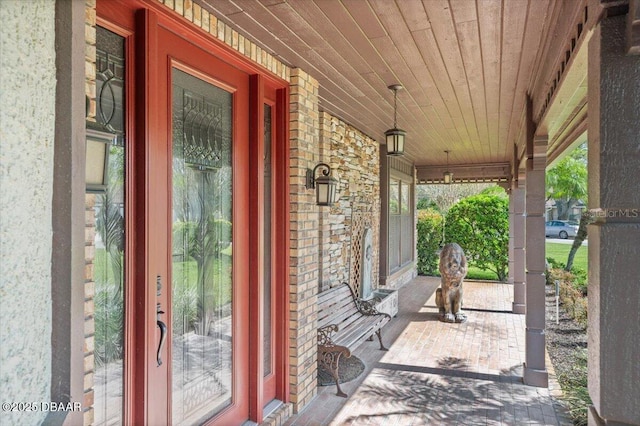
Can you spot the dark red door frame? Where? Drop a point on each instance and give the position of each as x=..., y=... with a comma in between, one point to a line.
x=256, y=258
x=281, y=241
x=262, y=93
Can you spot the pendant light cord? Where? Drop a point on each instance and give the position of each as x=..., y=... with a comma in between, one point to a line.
x=395, y=108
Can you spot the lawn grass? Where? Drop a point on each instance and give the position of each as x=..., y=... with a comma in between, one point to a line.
x=474, y=273
x=557, y=251
x=560, y=252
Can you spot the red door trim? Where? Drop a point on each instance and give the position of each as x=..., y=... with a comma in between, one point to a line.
x=256, y=258
x=282, y=235
x=146, y=130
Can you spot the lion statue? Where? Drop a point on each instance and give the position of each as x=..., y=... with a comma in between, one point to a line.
x=453, y=269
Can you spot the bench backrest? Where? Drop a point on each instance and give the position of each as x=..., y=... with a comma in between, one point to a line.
x=336, y=306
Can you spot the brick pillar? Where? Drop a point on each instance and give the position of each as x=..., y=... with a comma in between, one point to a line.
x=89, y=309
x=517, y=239
x=535, y=370
x=614, y=238
x=304, y=143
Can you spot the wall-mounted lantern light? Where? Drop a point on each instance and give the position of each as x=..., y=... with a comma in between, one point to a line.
x=447, y=176
x=395, y=136
x=325, y=185
x=99, y=139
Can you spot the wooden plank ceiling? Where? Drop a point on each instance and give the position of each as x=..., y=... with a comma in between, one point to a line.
x=466, y=65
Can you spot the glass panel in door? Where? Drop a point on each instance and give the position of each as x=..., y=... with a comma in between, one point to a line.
x=267, y=328
x=202, y=349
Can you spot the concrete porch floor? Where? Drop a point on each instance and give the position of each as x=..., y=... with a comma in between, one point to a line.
x=439, y=373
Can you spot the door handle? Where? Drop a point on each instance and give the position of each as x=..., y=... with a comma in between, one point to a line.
x=161, y=325
x=163, y=336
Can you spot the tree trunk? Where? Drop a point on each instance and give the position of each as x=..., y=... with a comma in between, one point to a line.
x=585, y=220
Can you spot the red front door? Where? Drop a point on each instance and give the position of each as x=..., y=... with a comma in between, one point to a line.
x=200, y=169
x=206, y=324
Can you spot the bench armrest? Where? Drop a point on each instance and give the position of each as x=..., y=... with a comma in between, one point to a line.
x=325, y=333
x=368, y=307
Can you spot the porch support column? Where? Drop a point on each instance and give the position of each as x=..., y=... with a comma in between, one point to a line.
x=614, y=237
x=535, y=370
x=517, y=239
x=511, y=228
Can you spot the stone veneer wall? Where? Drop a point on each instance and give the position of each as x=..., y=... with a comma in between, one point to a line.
x=354, y=158
x=27, y=132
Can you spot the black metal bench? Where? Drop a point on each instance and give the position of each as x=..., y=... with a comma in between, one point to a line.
x=345, y=321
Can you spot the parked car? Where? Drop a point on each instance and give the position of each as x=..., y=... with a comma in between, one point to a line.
x=560, y=228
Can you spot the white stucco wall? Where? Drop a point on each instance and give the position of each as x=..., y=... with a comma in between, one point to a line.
x=27, y=108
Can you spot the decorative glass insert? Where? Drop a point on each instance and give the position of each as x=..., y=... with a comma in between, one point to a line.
x=202, y=282
x=110, y=68
x=205, y=127
x=267, y=337
x=109, y=240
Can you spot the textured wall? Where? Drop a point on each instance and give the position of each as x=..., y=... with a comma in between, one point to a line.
x=27, y=96
x=354, y=158
x=614, y=238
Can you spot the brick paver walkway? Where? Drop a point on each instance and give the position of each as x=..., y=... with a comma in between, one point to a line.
x=439, y=373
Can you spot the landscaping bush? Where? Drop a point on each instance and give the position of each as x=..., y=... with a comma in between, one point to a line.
x=427, y=204
x=480, y=224
x=578, y=274
x=429, y=239
x=572, y=294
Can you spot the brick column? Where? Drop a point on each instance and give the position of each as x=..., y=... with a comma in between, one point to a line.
x=517, y=239
x=614, y=238
x=304, y=143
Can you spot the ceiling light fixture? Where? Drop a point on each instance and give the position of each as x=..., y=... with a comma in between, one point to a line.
x=447, y=175
x=395, y=136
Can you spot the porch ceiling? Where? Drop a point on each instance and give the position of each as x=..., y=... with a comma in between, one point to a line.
x=466, y=65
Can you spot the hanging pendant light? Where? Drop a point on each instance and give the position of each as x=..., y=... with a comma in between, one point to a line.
x=447, y=176
x=395, y=136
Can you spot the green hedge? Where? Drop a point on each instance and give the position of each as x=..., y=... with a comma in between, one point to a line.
x=480, y=224
x=429, y=225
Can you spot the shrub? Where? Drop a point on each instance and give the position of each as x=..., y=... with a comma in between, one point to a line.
x=572, y=294
x=429, y=238
x=580, y=281
x=480, y=225
x=426, y=204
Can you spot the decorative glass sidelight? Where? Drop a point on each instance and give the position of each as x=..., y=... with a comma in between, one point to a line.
x=267, y=331
x=109, y=238
x=202, y=284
